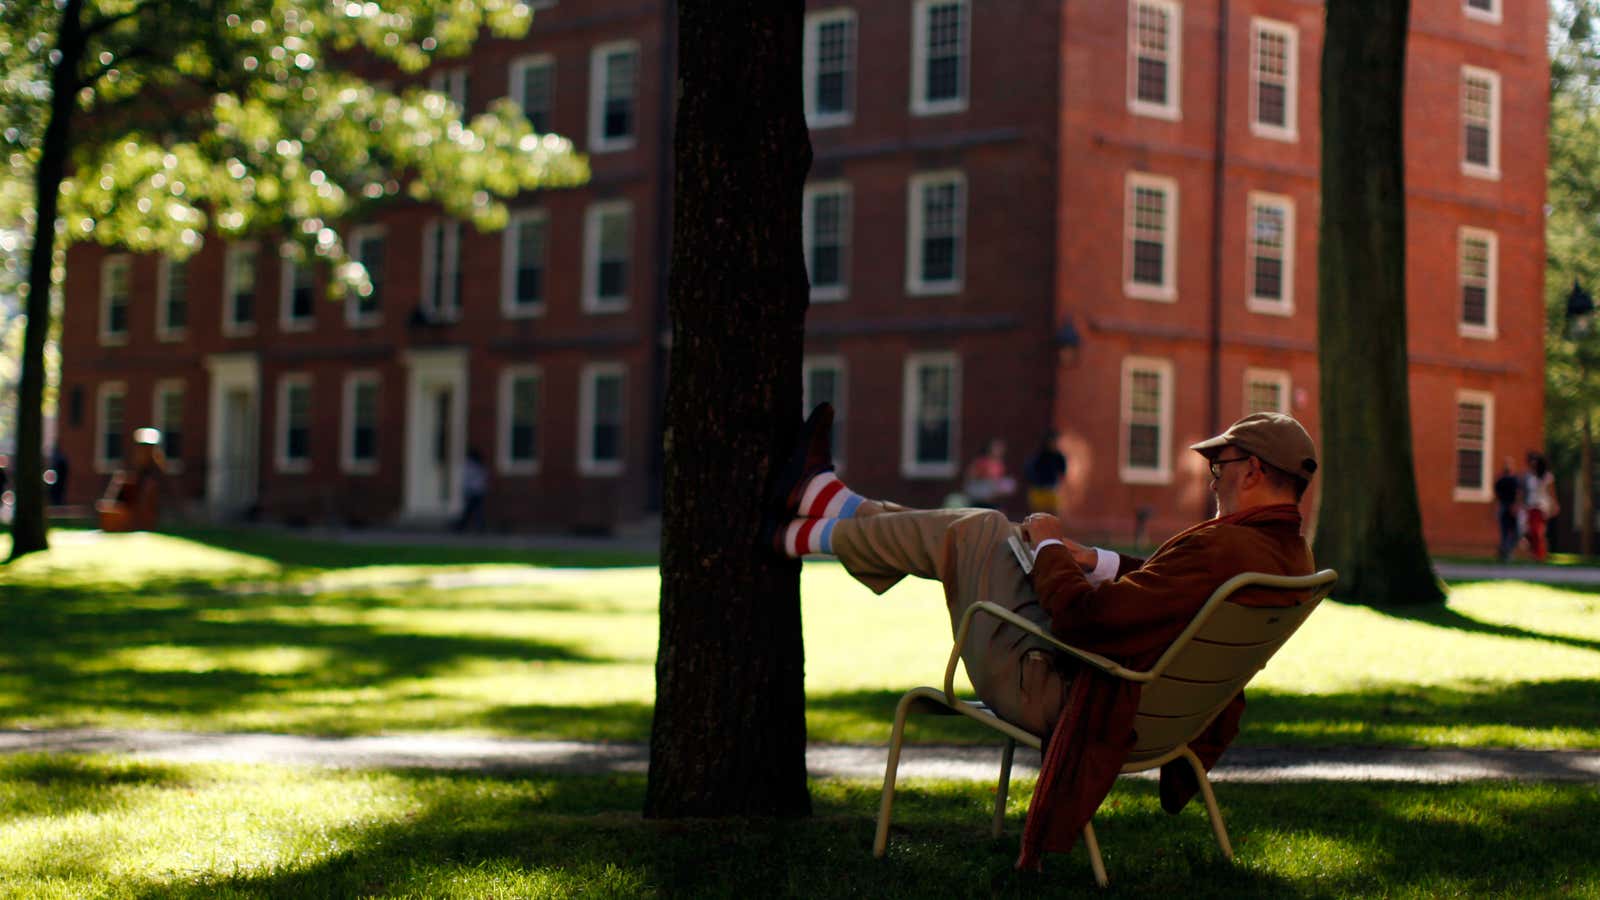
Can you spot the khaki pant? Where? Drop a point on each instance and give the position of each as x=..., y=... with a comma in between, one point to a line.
x=966, y=549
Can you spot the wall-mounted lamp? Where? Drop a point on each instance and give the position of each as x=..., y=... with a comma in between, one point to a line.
x=1068, y=343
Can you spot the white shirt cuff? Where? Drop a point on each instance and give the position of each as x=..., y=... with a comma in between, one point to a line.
x=1105, y=567
x=1045, y=543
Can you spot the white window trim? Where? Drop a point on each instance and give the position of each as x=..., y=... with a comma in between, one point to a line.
x=808, y=236
x=588, y=466
x=1172, y=110
x=920, y=106
x=1492, y=170
x=909, y=467
x=915, y=225
x=109, y=338
x=517, y=75
x=592, y=301
x=103, y=393
x=1490, y=329
x=280, y=431
x=597, y=98
x=163, y=295
x=231, y=328
x=1291, y=86
x=508, y=264
x=347, y=422
x=1267, y=305
x=158, y=394
x=504, y=463
x=286, y=321
x=1167, y=292
x=1486, y=492
x=1276, y=377
x=447, y=231
x=1491, y=16
x=814, y=23
x=840, y=404
x=1162, y=474
x=353, y=316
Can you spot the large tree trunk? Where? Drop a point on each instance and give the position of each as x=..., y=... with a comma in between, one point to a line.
x=28, y=525
x=1370, y=525
x=729, y=732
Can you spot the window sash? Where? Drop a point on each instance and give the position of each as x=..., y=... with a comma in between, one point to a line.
x=835, y=43
x=944, y=37
x=113, y=418
x=175, y=299
x=528, y=287
x=606, y=427
x=1152, y=33
x=537, y=80
x=1145, y=398
x=170, y=422
x=1477, y=116
x=933, y=425
x=1471, y=444
x=523, y=426
x=1475, y=277
x=371, y=251
x=621, y=86
x=364, y=421
x=242, y=287
x=611, y=276
x=297, y=423
x=1149, y=236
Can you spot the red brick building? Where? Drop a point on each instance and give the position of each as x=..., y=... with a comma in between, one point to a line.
x=1021, y=216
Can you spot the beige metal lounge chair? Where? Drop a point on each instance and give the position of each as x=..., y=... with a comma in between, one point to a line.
x=1222, y=649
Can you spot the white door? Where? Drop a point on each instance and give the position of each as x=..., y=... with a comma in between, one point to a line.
x=233, y=432
x=435, y=433
x=239, y=446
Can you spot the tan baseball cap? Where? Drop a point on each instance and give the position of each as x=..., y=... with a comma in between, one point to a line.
x=1274, y=438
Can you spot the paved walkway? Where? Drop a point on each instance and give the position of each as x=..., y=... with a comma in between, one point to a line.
x=1542, y=574
x=823, y=760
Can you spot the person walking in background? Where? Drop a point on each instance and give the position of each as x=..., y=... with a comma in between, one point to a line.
x=61, y=468
x=474, y=485
x=986, y=482
x=1044, y=472
x=1508, y=493
x=1539, y=496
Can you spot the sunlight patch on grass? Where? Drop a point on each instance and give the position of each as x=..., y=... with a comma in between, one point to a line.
x=92, y=557
x=277, y=660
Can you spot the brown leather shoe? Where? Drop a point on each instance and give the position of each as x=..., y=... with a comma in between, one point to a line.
x=811, y=456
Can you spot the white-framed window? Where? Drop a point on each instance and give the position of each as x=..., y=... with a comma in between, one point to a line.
x=1482, y=10
x=297, y=295
x=936, y=217
x=1479, y=270
x=519, y=420
x=523, y=259
x=111, y=426
x=602, y=410
x=533, y=88
x=369, y=247
x=607, y=256
x=930, y=416
x=1271, y=247
x=452, y=83
x=1150, y=252
x=939, y=56
x=1480, y=122
x=1474, y=445
x=1274, y=79
x=1266, y=390
x=293, y=442
x=822, y=380
x=172, y=299
x=1155, y=58
x=830, y=67
x=1146, y=420
x=826, y=232
x=239, y=290
x=166, y=413
x=613, y=96
x=358, y=444
x=115, y=298
x=441, y=269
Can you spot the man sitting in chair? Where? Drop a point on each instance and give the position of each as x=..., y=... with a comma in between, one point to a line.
x=1121, y=607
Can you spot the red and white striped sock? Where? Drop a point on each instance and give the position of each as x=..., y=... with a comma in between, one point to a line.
x=826, y=497
x=806, y=537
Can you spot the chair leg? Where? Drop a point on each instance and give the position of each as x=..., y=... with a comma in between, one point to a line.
x=1212, y=810
x=880, y=842
x=1005, y=785
x=1095, y=862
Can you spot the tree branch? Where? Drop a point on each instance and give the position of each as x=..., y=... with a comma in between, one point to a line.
x=95, y=28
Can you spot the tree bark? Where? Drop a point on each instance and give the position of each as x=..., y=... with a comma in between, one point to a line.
x=28, y=525
x=729, y=731
x=1370, y=525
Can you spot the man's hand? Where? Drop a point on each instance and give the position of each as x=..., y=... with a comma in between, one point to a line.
x=1040, y=527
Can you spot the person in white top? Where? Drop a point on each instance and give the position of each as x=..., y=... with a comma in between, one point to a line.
x=1540, y=494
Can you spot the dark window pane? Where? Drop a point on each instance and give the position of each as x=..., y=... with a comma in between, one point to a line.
x=933, y=441
x=1269, y=278
x=299, y=442
x=522, y=437
x=1152, y=80
x=613, y=278
x=607, y=443
x=944, y=79
x=1474, y=305
x=530, y=285
x=824, y=266
x=117, y=317
x=831, y=92
x=113, y=446
x=172, y=443
x=1469, y=468
x=1144, y=450
x=1272, y=109
x=1148, y=265
x=1478, y=145
x=364, y=443
x=244, y=308
x=939, y=259
x=300, y=302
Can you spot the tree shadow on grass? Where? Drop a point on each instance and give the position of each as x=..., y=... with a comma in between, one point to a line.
x=1442, y=616
x=59, y=784
x=292, y=551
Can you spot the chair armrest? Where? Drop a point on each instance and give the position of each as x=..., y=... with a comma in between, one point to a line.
x=998, y=611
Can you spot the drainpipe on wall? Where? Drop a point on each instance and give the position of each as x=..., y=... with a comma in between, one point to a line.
x=1219, y=184
x=660, y=336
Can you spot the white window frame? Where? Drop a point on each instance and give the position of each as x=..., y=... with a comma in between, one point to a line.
x=451, y=82
x=1485, y=492
x=840, y=405
x=236, y=252
x=102, y=394
x=1278, y=378
x=1492, y=170
x=164, y=283
x=910, y=467
x=840, y=291
x=518, y=80
x=280, y=430
x=287, y=271
x=347, y=421
x=812, y=61
x=588, y=466
x=592, y=301
x=1254, y=302
x=1490, y=329
x=509, y=307
x=598, y=143
x=1290, y=130
x=916, y=228
x=508, y=378
x=158, y=417
x=1172, y=110
x=1162, y=474
x=123, y=261
x=441, y=245
x=920, y=105
x=1167, y=291
x=1491, y=16
x=353, y=316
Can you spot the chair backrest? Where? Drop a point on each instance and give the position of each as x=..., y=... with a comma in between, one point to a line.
x=1233, y=636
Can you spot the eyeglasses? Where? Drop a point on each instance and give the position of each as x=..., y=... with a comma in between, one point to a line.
x=1217, y=464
